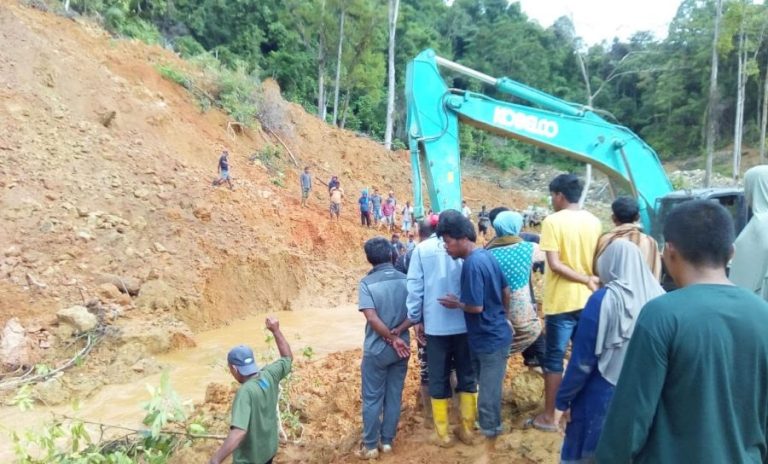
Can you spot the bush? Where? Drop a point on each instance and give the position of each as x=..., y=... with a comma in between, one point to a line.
x=174, y=75
x=187, y=46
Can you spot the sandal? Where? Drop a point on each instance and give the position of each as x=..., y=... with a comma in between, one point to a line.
x=531, y=423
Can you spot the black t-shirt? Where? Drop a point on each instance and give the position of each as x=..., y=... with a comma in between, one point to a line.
x=223, y=163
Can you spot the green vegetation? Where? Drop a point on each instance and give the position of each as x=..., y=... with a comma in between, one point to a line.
x=656, y=87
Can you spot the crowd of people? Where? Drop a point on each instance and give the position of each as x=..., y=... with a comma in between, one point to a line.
x=652, y=377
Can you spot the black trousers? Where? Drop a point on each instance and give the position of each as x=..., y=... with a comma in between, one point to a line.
x=445, y=352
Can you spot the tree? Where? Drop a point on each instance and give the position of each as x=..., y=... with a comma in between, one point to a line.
x=338, y=65
x=394, y=6
x=712, y=103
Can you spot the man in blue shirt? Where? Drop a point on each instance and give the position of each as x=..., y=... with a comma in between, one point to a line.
x=224, y=170
x=484, y=299
x=306, y=185
x=376, y=205
x=365, y=209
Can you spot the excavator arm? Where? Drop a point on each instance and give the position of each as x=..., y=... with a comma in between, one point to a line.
x=434, y=113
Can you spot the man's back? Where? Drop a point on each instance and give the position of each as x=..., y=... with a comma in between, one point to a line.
x=254, y=410
x=573, y=234
x=694, y=387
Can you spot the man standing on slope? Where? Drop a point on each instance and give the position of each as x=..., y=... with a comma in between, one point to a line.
x=306, y=185
x=253, y=429
x=694, y=386
x=224, y=171
x=432, y=274
x=568, y=237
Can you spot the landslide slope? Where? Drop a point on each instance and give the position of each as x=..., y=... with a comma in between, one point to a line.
x=106, y=168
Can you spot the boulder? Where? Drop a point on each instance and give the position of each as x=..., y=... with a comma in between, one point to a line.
x=78, y=317
x=156, y=294
x=527, y=389
x=109, y=291
x=129, y=285
x=142, y=340
x=202, y=212
x=52, y=392
x=14, y=347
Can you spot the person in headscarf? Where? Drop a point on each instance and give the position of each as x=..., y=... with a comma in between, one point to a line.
x=601, y=341
x=749, y=268
x=515, y=257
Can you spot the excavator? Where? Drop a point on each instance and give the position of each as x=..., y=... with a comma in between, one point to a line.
x=543, y=120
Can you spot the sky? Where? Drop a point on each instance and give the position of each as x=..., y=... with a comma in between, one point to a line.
x=598, y=20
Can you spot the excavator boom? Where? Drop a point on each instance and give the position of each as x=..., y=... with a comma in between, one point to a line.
x=434, y=112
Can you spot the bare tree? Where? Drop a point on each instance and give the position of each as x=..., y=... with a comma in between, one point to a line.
x=338, y=66
x=394, y=6
x=764, y=117
x=713, y=97
x=741, y=86
x=322, y=109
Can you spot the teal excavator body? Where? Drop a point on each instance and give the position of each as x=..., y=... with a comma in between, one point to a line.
x=434, y=113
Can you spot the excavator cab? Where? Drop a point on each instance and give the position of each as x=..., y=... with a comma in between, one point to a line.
x=731, y=198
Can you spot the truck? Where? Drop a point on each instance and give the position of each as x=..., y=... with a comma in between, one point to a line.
x=434, y=112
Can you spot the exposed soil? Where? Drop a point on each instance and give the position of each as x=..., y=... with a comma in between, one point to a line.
x=105, y=185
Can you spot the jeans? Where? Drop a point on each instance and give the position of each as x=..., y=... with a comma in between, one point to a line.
x=383, y=377
x=445, y=352
x=365, y=218
x=560, y=329
x=490, y=368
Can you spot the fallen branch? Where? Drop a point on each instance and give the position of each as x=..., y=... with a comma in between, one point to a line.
x=25, y=379
x=137, y=431
x=290, y=153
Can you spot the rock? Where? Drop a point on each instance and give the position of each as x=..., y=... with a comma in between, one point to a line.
x=129, y=285
x=159, y=248
x=84, y=235
x=52, y=392
x=150, y=340
x=141, y=193
x=156, y=294
x=139, y=223
x=124, y=299
x=265, y=194
x=82, y=212
x=526, y=391
x=165, y=196
x=13, y=250
x=34, y=282
x=14, y=347
x=78, y=317
x=109, y=291
x=202, y=212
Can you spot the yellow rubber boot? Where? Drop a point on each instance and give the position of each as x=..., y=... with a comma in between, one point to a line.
x=440, y=417
x=468, y=413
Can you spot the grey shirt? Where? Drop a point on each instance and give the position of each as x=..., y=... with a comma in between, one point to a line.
x=306, y=181
x=384, y=290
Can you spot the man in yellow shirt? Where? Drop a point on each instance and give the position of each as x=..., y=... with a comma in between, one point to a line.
x=568, y=237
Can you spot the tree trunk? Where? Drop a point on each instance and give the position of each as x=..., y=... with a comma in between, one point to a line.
x=741, y=82
x=394, y=5
x=338, y=68
x=321, y=105
x=764, y=117
x=66, y=6
x=712, y=103
x=588, y=87
x=344, y=111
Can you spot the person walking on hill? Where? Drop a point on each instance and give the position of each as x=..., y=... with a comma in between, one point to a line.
x=484, y=300
x=376, y=206
x=407, y=215
x=568, y=237
x=465, y=211
x=336, y=196
x=365, y=209
x=750, y=259
x=223, y=167
x=306, y=185
x=694, y=385
x=388, y=210
x=254, y=425
x=626, y=214
x=333, y=183
x=602, y=337
x=382, y=295
x=483, y=221
x=432, y=274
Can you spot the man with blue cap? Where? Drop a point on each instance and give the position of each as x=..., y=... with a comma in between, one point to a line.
x=254, y=425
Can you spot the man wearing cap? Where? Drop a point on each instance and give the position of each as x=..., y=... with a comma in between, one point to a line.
x=254, y=425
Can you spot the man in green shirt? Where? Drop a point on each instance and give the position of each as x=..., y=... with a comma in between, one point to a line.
x=253, y=430
x=694, y=386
